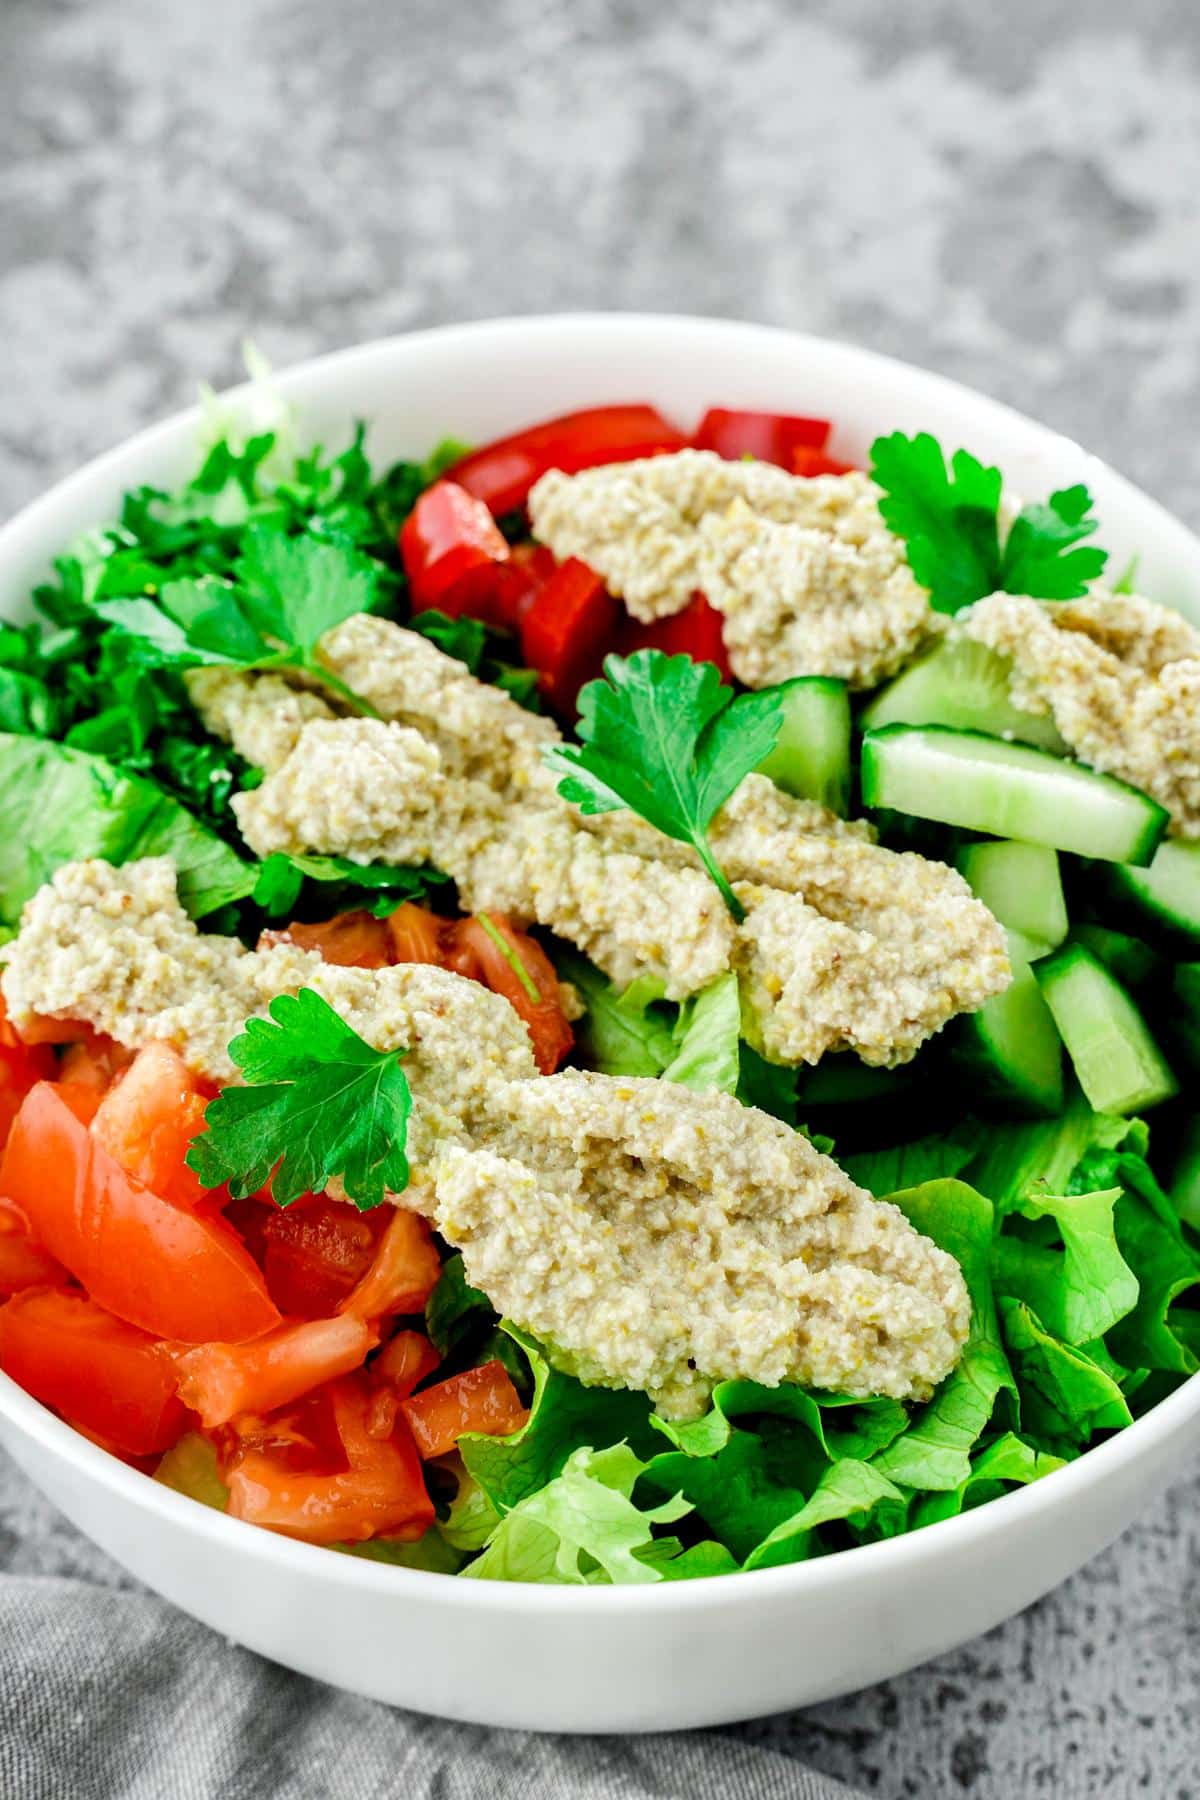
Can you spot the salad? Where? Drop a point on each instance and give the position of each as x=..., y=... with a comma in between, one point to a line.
x=614, y=1006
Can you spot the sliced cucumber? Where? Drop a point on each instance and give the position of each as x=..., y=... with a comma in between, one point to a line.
x=964, y=684
x=1119, y=1065
x=1182, y=1027
x=1165, y=896
x=1132, y=962
x=1185, y=1183
x=1010, y=1049
x=812, y=755
x=1022, y=886
x=1008, y=790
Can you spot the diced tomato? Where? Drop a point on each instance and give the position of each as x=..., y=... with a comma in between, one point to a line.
x=404, y=1361
x=219, y=1380
x=23, y=1262
x=94, y=1061
x=501, y=473
x=771, y=437
x=482, y=1399
x=301, y=1438
x=568, y=631
x=416, y=935
x=41, y=1030
x=313, y=1253
x=404, y=1273
x=174, y=1273
x=356, y=940
x=381, y=1490
x=513, y=967
x=81, y=1098
x=816, y=462
x=147, y=1121
x=694, y=632
x=101, y=1374
x=20, y=1068
x=453, y=553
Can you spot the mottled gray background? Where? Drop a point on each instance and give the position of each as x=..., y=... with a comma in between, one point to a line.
x=1004, y=193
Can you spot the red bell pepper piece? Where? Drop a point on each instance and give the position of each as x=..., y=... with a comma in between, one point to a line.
x=502, y=473
x=453, y=552
x=568, y=631
x=771, y=437
x=815, y=462
x=696, y=632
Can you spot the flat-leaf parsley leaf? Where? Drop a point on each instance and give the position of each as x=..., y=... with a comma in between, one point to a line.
x=319, y=1102
x=664, y=737
x=949, y=519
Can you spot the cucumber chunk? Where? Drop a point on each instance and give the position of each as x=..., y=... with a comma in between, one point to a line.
x=1185, y=1181
x=812, y=755
x=1008, y=790
x=1010, y=1050
x=1120, y=1067
x=1021, y=885
x=964, y=684
x=1132, y=962
x=1165, y=896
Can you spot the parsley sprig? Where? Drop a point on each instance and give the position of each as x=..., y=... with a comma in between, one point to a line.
x=319, y=1102
x=286, y=592
x=664, y=737
x=949, y=519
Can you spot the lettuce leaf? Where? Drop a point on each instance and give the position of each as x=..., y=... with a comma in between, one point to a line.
x=944, y=1154
x=622, y=1034
x=935, y=1451
x=841, y=1426
x=848, y=1490
x=59, y=805
x=1082, y=1290
x=1165, y=1268
x=581, y=1526
x=707, y=1038
x=563, y=1416
x=1009, y=1461
x=1066, y=1393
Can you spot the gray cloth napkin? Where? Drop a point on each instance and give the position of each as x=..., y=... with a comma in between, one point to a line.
x=108, y=1693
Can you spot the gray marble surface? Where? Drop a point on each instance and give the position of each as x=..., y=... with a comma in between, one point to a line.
x=1008, y=195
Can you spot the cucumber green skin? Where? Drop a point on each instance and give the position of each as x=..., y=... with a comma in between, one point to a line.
x=1142, y=844
x=811, y=758
x=1020, y=885
x=1155, y=1081
x=944, y=688
x=1027, y=1081
x=1134, y=963
x=1165, y=912
x=1185, y=1179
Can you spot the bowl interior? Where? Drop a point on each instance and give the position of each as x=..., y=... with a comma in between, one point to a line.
x=479, y=381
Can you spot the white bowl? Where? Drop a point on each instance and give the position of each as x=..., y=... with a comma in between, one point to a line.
x=680, y=1653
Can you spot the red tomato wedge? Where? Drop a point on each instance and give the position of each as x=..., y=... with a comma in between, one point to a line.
x=101, y=1374
x=356, y=940
x=382, y=1489
x=771, y=437
x=21, y=1067
x=404, y=1273
x=489, y=948
x=417, y=935
x=482, y=1399
x=94, y=1062
x=567, y=632
x=147, y=1120
x=219, y=1380
x=694, y=632
x=23, y=1262
x=313, y=1253
x=502, y=473
x=174, y=1273
x=404, y=1361
x=453, y=552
